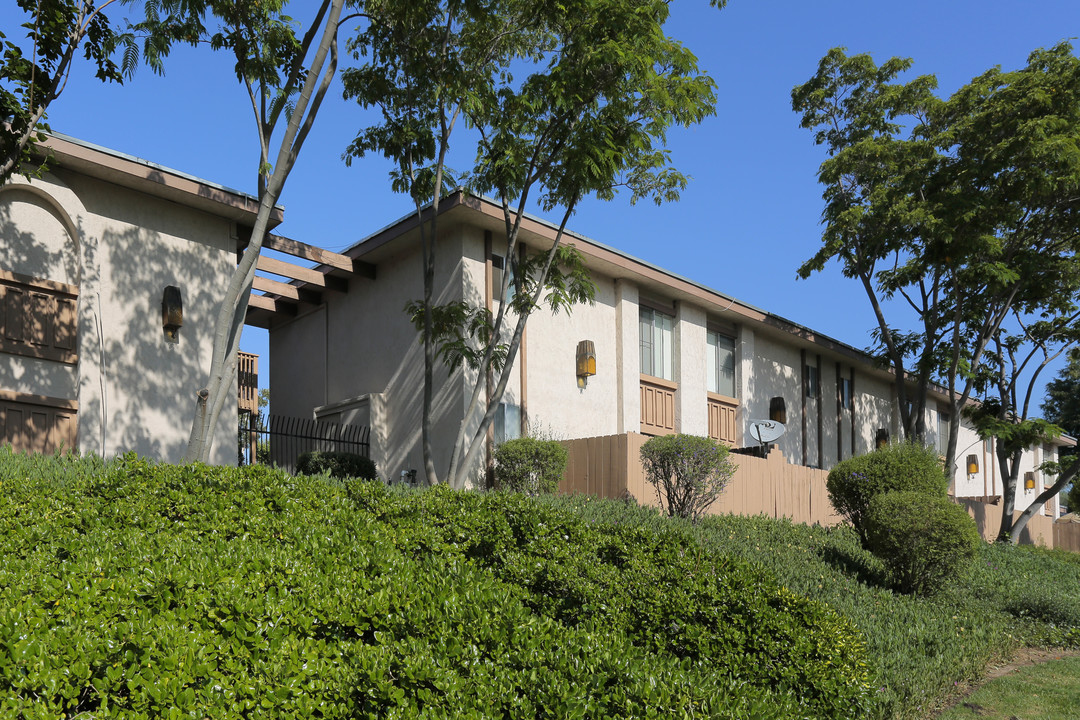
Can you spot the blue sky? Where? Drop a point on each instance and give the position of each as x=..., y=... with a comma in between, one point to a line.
x=752, y=212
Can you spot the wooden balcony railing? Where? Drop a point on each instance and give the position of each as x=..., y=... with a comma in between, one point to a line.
x=657, y=406
x=722, y=414
x=247, y=381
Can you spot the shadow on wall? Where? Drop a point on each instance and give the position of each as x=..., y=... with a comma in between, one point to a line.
x=48, y=250
x=871, y=414
x=52, y=256
x=135, y=390
x=399, y=435
x=769, y=379
x=149, y=382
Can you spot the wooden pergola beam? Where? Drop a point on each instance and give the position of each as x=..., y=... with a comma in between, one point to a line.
x=317, y=254
x=308, y=275
x=286, y=291
x=278, y=307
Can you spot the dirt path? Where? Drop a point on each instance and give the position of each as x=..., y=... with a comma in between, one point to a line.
x=1023, y=657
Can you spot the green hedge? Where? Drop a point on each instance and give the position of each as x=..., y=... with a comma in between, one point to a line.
x=688, y=472
x=529, y=465
x=340, y=465
x=854, y=482
x=135, y=590
x=923, y=540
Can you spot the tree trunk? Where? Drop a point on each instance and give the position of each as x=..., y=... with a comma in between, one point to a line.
x=230, y=322
x=1047, y=494
x=1009, y=465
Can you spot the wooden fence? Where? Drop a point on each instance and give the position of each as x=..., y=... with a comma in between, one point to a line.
x=610, y=467
x=1040, y=530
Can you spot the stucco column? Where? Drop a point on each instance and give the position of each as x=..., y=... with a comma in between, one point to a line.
x=627, y=356
x=691, y=400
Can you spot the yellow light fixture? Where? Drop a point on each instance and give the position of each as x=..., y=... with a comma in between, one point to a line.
x=586, y=362
x=973, y=464
x=172, y=313
x=1029, y=480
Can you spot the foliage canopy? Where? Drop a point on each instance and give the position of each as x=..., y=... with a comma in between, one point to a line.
x=560, y=100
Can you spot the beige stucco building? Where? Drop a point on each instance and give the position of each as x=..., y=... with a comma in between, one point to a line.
x=89, y=248
x=86, y=252
x=671, y=356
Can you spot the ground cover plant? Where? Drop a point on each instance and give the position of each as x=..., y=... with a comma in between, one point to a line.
x=918, y=648
x=135, y=590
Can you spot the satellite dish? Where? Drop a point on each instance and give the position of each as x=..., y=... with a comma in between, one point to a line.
x=766, y=431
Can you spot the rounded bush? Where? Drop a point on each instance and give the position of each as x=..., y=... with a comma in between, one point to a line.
x=340, y=465
x=922, y=539
x=529, y=465
x=854, y=482
x=688, y=472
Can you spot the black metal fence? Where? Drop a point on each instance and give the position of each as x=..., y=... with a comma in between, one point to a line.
x=278, y=441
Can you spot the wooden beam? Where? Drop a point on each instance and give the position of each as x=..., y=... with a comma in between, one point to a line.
x=317, y=254
x=278, y=307
x=286, y=291
x=308, y=275
x=308, y=252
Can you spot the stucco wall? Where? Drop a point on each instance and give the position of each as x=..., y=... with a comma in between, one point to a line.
x=135, y=390
x=554, y=399
x=777, y=373
x=364, y=344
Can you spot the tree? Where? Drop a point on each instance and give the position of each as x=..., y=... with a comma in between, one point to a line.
x=1062, y=407
x=1003, y=413
x=56, y=30
x=286, y=76
x=963, y=209
x=602, y=85
x=1062, y=403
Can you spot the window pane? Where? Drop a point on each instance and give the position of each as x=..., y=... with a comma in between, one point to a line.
x=646, y=332
x=721, y=364
x=845, y=393
x=664, y=347
x=811, y=374
x=712, y=364
x=507, y=422
x=657, y=344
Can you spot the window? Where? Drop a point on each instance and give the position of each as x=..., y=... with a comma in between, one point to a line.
x=720, y=362
x=498, y=266
x=942, y=432
x=657, y=344
x=845, y=393
x=507, y=422
x=813, y=381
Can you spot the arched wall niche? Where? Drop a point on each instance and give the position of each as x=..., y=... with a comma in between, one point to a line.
x=39, y=229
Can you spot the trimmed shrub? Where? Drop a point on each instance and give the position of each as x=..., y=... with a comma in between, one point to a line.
x=854, y=482
x=922, y=539
x=340, y=465
x=529, y=466
x=688, y=472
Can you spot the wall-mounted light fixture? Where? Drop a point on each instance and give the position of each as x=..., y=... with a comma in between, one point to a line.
x=172, y=313
x=586, y=362
x=973, y=464
x=778, y=410
x=881, y=439
x=1029, y=480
